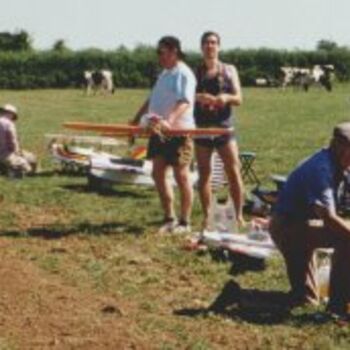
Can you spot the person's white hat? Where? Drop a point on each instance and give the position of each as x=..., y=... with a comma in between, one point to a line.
x=10, y=109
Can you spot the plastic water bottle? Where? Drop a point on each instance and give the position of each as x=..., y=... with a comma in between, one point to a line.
x=323, y=275
x=323, y=257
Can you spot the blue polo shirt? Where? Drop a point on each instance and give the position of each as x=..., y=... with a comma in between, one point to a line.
x=312, y=182
x=174, y=85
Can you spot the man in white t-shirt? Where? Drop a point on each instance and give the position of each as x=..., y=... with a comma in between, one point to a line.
x=12, y=158
x=172, y=101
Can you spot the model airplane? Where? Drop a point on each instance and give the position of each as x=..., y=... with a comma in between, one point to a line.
x=73, y=153
x=107, y=170
x=124, y=130
x=259, y=246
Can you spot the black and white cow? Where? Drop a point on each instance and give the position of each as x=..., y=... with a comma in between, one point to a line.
x=322, y=75
x=295, y=76
x=304, y=77
x=98, y=80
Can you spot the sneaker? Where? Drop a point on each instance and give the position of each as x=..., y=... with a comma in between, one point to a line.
x=181, y=229
x=168, y=226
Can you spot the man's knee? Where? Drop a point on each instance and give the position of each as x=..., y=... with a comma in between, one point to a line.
x=182, y=177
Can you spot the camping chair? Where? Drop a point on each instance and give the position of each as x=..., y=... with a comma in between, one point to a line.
x=247, y=167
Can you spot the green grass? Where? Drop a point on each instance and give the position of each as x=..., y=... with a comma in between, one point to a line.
x=108, y=244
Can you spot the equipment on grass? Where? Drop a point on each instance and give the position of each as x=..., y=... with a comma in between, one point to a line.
x=72, y=153
x=103, y=169
x=109, y=169
x=255, y=245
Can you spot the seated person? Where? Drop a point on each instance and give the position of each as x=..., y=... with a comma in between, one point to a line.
x=12, y=158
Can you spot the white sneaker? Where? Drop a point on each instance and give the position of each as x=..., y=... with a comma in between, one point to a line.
x=168, y=226
x=181, y=229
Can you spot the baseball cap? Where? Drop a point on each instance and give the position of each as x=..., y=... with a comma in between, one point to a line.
x=342, y=131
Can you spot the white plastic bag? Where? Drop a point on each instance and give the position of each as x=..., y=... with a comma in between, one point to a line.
x=222, y=216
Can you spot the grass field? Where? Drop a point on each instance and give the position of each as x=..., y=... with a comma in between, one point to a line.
x=80, y=270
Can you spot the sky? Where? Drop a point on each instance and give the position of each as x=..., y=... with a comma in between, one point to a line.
x=107, y=24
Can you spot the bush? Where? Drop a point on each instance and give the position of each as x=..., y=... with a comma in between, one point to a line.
x=138, y=68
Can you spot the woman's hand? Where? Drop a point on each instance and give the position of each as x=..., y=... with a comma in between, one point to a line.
x=221, y=100
x=206, y=99
x=212, y=101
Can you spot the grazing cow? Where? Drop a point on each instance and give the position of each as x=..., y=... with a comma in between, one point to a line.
x=98, y=80
x=322, y=75
x=305, y=77
x=294, y=76
x=107, y=81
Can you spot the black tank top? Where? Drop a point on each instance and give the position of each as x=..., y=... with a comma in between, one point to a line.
x=206, y=116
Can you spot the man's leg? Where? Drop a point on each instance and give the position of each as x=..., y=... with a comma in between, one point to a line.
x=339, y=300
x=297, y=243
x=230, y=156
x=183, y=179
x=18, y=163
x=165, y=190
x=203, y=156
x=301, y=270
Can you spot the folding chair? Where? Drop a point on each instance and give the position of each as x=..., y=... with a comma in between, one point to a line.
x=247, y=167
x=218, y=175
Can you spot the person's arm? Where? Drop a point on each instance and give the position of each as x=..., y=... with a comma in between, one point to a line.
x=143, y=109
x=235, y=98
x=177, y=112
x=173, y=117
x=333, y=221
x=321, y=194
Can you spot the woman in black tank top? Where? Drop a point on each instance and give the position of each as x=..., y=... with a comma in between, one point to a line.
x=218, y=90
x=209, y=115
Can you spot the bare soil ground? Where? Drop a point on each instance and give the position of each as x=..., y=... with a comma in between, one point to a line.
x=43, y=306
x=38, y=311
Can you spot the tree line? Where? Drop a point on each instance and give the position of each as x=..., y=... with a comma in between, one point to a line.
x=22, y=67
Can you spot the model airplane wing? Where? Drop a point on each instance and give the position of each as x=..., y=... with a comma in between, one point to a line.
x=130, y=130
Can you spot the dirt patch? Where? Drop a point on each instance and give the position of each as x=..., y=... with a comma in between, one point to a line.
x=39, y=312
x=27, y=217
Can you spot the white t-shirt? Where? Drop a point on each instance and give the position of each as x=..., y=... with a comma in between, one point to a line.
x=174, y=85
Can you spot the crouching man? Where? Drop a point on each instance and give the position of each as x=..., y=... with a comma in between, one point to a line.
x=12, y=158
x=311, y=192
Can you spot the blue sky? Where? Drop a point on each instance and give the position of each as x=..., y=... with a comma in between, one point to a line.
x=108, y=24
